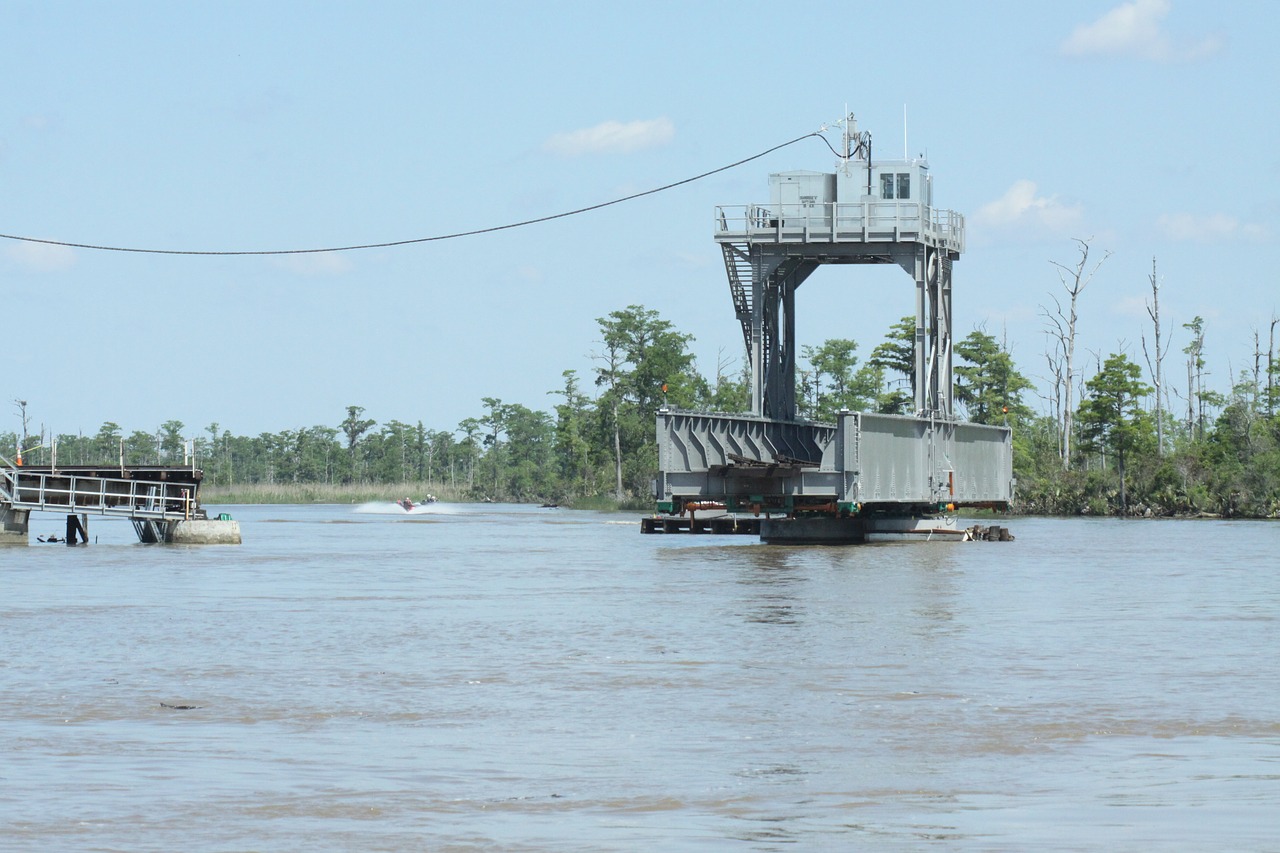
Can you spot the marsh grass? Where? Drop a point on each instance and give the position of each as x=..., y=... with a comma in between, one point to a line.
x=355, y=493
x=321, y=493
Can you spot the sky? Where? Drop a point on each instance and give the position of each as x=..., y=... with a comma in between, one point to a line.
x=1146, y=127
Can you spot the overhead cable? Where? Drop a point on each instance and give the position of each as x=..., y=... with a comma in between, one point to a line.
x=437, y=238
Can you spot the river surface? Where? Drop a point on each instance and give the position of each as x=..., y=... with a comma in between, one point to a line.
x=492, y=677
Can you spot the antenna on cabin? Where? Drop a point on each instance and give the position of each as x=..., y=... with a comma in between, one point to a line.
x=905, y=155
x=856, y=145
x=849, y=127
x=844, y=148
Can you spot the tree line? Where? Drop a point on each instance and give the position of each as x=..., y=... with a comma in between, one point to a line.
x=1109, y=438
x=595, y=438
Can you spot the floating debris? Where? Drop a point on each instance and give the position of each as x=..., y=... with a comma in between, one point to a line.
x=994, y=533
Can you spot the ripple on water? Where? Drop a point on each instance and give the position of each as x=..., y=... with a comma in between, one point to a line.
x=516, y=678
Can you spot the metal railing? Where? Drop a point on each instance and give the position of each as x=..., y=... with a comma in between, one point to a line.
x=8, y=481
x=72, y=493
x=836, y=222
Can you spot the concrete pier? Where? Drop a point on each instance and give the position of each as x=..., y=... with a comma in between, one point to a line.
x=14, y=525
x=205, y=532
x=194, y=531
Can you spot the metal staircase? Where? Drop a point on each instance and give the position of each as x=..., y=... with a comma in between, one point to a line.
x=737, y=263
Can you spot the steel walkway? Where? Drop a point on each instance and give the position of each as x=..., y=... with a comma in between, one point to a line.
x=153, y=498
x=160, y=494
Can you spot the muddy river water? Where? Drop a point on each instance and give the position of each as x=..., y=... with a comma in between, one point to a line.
x=495, y=677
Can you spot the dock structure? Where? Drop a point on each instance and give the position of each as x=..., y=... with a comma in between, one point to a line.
x=867, y=474
x=163, y=503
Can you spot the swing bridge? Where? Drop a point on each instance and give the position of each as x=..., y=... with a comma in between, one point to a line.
x=866, y=476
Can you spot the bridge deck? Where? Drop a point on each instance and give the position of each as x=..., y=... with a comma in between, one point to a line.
x=864, y=458
x=149, y=492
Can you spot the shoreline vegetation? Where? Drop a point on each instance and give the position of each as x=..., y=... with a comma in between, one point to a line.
x=1109, y=442
x=356, y=494
x=251, y=494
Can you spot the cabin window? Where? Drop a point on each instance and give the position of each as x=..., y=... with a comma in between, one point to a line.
x=886, y=186
x=904, y=185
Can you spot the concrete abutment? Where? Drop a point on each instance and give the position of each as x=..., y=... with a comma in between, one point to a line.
x=14, y=525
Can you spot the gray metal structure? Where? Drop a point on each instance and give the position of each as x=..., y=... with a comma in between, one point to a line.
x=867, y=212
x=156, y=499
x=886, y=462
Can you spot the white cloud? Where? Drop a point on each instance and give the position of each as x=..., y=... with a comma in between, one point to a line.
x=42, y=257
x=1213, y=227
x=1021, y=207
x=315, y=263
x=1134, y=29
x=612, y=137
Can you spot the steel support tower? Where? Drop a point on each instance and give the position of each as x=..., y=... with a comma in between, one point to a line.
x=816, y=219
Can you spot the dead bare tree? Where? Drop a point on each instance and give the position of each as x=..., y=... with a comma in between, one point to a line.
x=1153, y=311
x=1061, y=326
x=1054, y=397
x=1196, y=396
x=1271, y=368
x=1257, y=368
x=26, y=425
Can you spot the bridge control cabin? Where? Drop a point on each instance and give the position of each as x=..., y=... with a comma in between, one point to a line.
x=888, y=198
x=885, y=201
x=868, y=471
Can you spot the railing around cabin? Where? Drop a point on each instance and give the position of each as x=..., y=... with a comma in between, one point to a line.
x=840, y=222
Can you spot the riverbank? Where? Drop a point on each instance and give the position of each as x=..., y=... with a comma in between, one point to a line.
x=1065, y=504
x=1096, y=494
